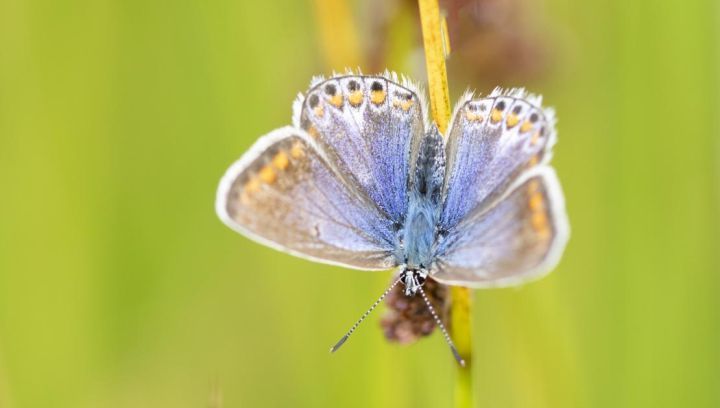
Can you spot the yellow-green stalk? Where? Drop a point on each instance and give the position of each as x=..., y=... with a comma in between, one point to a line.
x=460, y=298
x=337, y=35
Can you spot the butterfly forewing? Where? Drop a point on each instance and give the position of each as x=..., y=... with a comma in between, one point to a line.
x=490, y=143
x=286, y=193
x=371, y=127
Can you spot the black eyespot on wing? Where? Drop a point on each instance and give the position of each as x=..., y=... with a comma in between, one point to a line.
x=353, y=86
x=500, y=106
x=517, y=109
x=403, y=95
x=376, y=86
x=330, y=89
x=533, y=118
x=313, y=100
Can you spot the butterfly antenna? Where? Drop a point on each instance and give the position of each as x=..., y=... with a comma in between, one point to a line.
x=442, y=328
x=355, y=326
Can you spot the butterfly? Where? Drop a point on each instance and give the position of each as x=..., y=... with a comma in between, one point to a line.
x=363, y=180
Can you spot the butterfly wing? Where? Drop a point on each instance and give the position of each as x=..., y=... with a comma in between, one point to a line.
x=491, y=141
x=498, y=189
x=371, y=126
x=517, y=238
x=286, y=193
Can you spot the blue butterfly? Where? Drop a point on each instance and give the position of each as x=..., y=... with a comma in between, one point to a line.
x=363, y=180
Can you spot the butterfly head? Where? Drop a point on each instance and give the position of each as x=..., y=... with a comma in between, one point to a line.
x=413, y=279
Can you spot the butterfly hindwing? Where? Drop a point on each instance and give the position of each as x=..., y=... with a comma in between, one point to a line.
x=518, y=237
x=371, y=127
x=285, y=193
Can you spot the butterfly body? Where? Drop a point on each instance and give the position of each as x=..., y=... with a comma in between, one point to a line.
x=424, y=200
x=362, y=180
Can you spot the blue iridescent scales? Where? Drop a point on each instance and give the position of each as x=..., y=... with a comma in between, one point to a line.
x=362, y=179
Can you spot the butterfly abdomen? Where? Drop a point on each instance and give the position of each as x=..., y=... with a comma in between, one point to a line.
x=429, y=168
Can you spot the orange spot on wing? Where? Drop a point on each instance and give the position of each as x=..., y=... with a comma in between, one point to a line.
x=496, y=116
x=319, y=111
x=296, y=151
x=337, y=100
x=526, y=126
x=512, y=120
x=472, y=117
x=267, y=175
x=536, y=202
x=404, y=105
x=355, y=98
x=281, y=161
x=377, y=97
x=539, y=221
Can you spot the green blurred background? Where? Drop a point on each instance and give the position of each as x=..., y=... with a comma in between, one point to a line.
x=120, y=288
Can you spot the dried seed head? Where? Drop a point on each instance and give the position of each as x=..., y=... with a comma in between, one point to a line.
x=408, y=319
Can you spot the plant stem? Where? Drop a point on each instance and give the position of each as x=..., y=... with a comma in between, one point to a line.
x=338, y=35
x=460, y=298
x=435, y=63
x=461, y=331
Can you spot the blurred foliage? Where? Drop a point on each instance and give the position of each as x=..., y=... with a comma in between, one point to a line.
x=120, y=288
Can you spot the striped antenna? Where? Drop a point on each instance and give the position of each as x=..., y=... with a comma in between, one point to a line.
x=352, y=329
x=442, y=328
